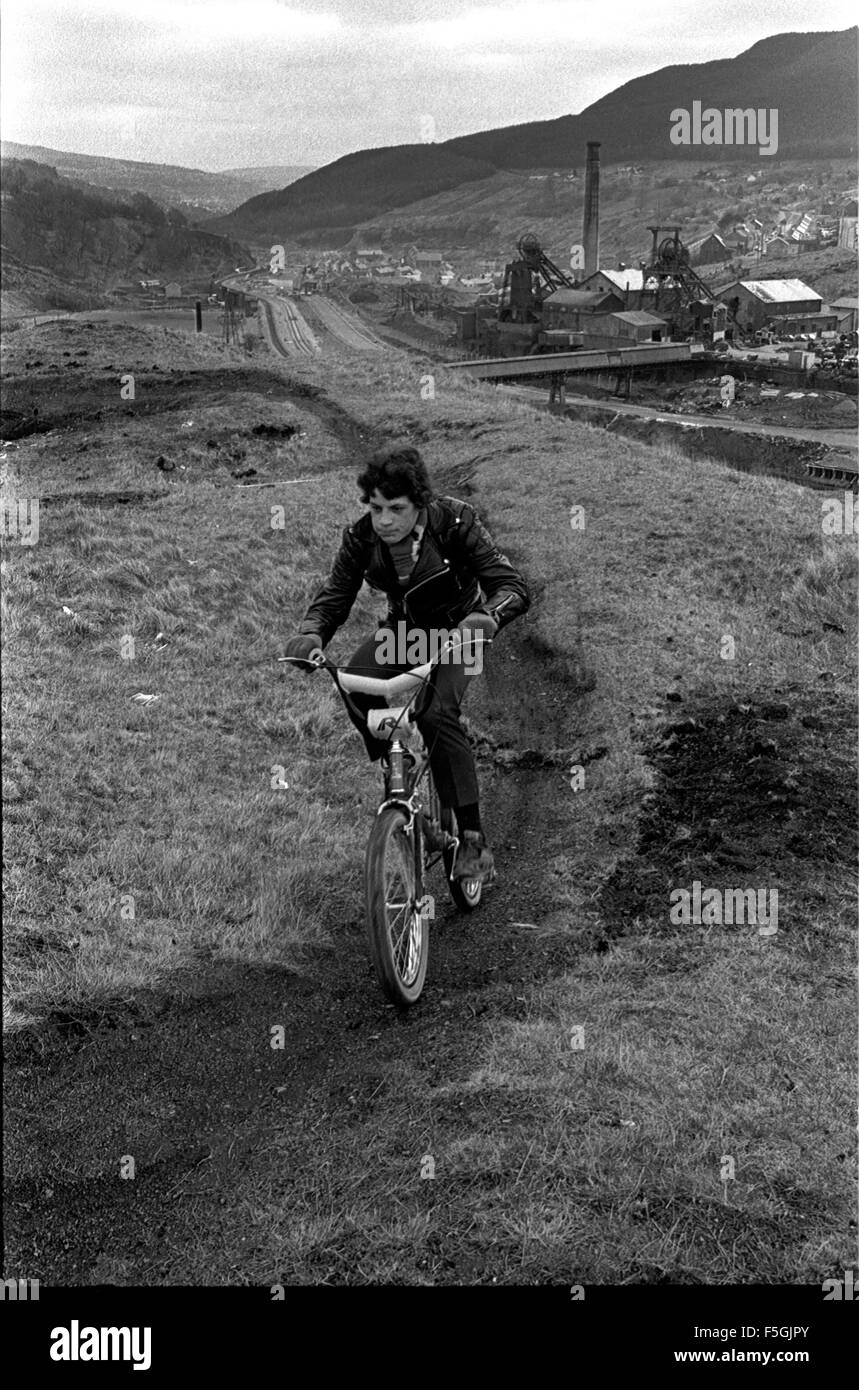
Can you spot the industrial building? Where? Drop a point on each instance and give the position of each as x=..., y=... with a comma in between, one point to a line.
x=623, y=328
x=708, y=250
x=755, y=302
x=845, y=311
x=567, y=308
x=626, y=279
x=785, y=324
x=540, y=309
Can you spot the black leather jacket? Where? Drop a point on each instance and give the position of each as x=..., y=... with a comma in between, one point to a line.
x=459, y=570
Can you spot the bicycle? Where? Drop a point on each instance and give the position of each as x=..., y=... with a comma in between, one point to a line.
x=412, y=831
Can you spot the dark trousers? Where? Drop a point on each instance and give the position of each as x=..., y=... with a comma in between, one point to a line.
x=437, y=710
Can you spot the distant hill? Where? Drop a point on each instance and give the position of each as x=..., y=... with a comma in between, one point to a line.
x=66, y=245
x=196, y=192
x=487, y=217
x=354, y=188
x=809, y=78
x=265, y=177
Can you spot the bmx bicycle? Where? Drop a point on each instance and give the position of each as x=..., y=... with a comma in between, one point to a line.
x=412, y=831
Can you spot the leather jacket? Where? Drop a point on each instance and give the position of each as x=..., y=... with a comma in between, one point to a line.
x=459, y=570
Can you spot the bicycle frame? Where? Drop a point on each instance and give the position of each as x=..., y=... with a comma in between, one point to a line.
x=410, y=824
x=384, y=725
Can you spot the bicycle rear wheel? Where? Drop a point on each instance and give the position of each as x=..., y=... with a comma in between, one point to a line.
x=397, y=932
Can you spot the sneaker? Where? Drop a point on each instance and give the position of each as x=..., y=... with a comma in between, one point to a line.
x=474, y=858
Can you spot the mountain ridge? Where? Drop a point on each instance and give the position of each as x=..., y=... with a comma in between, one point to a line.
x=199, y=193
x=632, y=123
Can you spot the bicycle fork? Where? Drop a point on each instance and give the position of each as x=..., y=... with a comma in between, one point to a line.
x=423, y=823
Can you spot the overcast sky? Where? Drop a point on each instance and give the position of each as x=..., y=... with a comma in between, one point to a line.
x=219, y=83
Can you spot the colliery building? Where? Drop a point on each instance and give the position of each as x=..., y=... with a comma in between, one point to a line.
x=574, y=309
x=627, y=281
x=600, y=317
x=708, y=250
x=757, y=303
x=626, y=328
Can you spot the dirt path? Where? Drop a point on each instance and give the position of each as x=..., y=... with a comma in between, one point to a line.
x=303, y=1163
x=184, y=1082
x=187, y=1084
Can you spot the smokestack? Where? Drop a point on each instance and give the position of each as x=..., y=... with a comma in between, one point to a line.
x=591, y=225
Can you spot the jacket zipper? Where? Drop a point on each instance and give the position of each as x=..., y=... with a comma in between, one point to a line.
x=438, y=575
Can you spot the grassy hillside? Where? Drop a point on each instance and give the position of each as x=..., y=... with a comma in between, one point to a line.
x=581, y=1064
x=332, y=200
x=490, y=214
x=197, y=192
x=90, y=239
x=786, y=72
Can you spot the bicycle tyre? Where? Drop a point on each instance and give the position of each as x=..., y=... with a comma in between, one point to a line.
x=397, y=935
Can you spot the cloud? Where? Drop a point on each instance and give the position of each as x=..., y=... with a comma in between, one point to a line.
x=221, y=82
x=200, y=22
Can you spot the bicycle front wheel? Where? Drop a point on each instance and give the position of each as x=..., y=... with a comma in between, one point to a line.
x=397, y=929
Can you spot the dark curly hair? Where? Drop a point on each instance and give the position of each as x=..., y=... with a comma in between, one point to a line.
x=396, y=471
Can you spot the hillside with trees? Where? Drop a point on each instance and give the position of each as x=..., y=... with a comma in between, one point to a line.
x=199, y=193
x=68, y=245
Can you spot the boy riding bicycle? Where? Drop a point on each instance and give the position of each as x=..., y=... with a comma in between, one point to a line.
x=439, y=569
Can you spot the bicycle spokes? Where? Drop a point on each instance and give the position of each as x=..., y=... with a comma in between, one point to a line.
x=403, y=919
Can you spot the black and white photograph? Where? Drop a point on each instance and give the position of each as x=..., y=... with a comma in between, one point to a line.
x=428, y=464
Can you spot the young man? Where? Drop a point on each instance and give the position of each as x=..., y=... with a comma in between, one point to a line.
x=440, y=570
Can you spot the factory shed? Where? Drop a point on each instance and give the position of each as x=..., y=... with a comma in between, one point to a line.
x=708, y=250
x=612, y=281
x=824, y=322
x=845, y=311
x=624, y=328
x=756, y=302
x=565, y=308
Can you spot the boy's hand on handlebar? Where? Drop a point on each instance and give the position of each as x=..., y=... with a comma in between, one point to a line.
x=479, y=622
x=300, y=646
x=476, y=628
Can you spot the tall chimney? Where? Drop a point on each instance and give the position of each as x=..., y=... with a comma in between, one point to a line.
x=591, y=224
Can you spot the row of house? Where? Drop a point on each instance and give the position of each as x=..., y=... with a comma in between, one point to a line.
x=793, y=233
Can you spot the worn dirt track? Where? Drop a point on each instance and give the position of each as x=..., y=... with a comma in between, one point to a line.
x=184, y=1080
x=233, y=1139
x=187, y=1083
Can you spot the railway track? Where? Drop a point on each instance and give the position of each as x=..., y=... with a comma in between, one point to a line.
x=299, y=338
x=350, y=331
